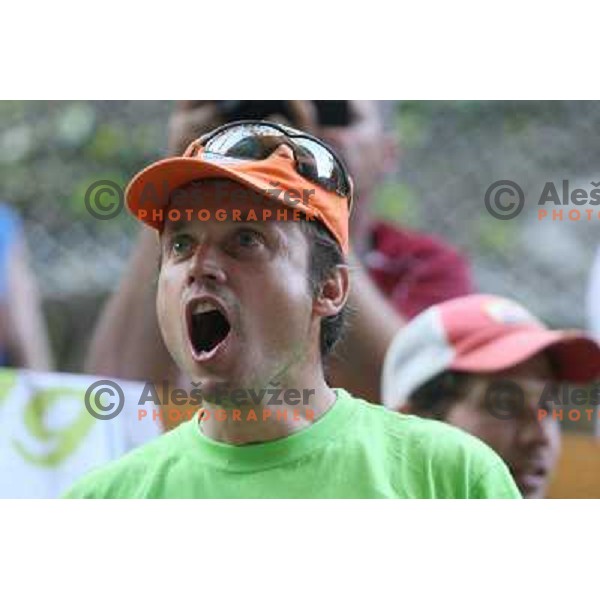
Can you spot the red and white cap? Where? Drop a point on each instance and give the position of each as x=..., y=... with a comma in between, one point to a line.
x=480, y=334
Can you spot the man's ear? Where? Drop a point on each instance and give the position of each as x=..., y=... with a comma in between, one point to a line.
x=333, y=292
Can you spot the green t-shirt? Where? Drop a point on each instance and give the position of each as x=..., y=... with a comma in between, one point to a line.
x=355, y=450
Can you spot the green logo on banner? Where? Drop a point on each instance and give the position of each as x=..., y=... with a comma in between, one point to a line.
x=62, y=442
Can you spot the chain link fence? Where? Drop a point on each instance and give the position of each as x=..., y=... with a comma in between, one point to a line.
x=51, y=152
x=454, y=151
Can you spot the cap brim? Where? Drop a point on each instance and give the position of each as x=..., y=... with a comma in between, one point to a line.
x=576, y=357
x=152, y=187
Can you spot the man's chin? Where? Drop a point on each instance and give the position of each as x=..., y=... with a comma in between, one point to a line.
x=531, y=488
x=215, y=389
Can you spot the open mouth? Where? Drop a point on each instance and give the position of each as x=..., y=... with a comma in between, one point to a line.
x=208, y=328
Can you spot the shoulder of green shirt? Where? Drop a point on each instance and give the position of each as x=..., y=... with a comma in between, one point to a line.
x=112, y=479
x=456, y=454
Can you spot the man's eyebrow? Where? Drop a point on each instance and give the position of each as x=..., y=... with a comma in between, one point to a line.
x=174, y=226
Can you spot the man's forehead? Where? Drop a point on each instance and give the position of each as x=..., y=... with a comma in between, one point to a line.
x=538, y=366
x=203, y=219
x=220, y=202
x=176, y=219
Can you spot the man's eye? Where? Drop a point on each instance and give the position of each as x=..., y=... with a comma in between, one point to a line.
x=248, y=238
x=181, y=245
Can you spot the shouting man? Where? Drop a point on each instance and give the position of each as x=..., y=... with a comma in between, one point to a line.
x=253, y=282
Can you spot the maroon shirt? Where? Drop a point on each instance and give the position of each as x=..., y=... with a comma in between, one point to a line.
x=414, y=270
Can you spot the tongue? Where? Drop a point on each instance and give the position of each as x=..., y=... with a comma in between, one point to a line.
x=209, y=329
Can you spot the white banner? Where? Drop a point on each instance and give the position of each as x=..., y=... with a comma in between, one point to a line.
x=49, y=436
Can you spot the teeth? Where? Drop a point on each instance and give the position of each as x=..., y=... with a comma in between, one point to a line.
x=204, y=306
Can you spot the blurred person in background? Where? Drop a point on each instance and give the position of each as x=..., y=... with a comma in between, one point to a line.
x=23, y=336
x=484, y=364
x=396, y=272
x=410, y=269
x=48, y=437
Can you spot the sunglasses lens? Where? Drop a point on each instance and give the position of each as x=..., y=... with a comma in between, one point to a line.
x=250, y=142
x=258, y=141
x=317, y=164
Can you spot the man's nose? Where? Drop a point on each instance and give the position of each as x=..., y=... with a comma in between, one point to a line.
x=206, y=265
x=534, y=431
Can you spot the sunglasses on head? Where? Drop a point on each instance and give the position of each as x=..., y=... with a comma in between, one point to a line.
x=257, y=140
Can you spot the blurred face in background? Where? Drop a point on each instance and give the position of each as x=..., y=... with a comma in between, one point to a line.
x=193, y=118
x=364, y=146
x=529, y=445
x=370, y=153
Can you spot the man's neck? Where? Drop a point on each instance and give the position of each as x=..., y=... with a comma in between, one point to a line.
x=265, y=414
